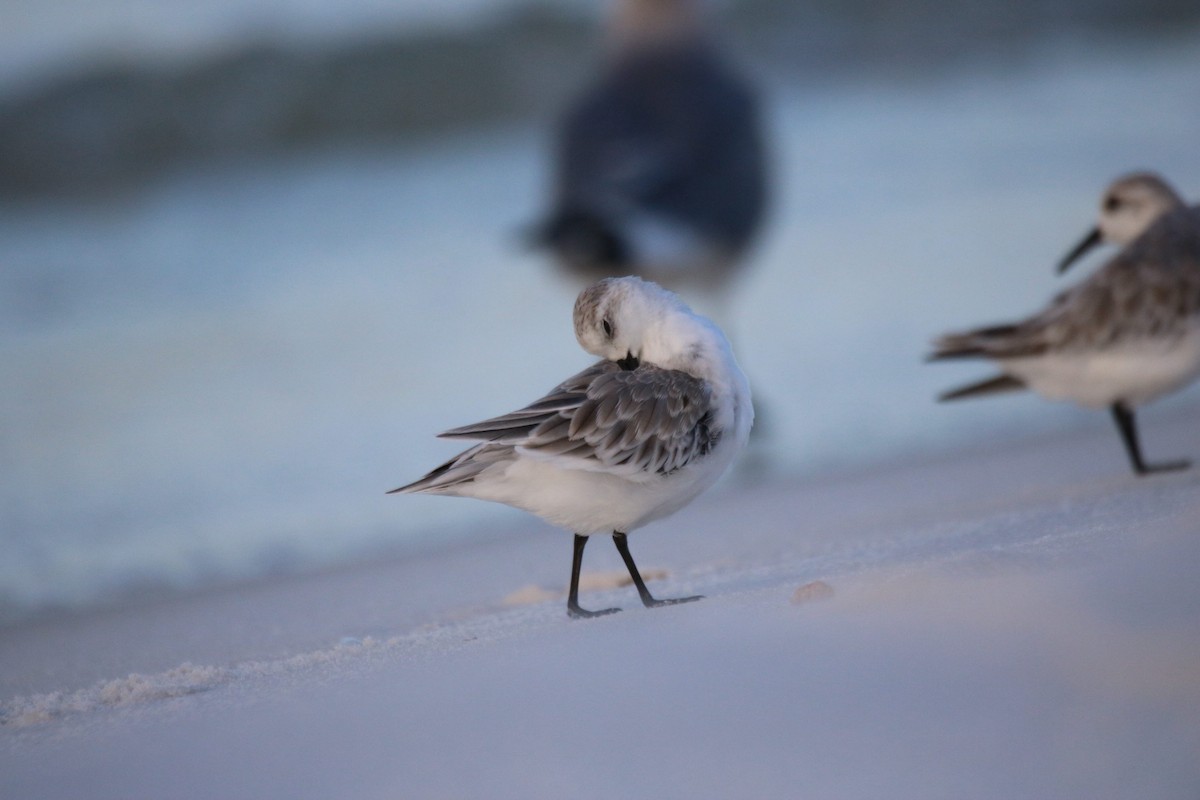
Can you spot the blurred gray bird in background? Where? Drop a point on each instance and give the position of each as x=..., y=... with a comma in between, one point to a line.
x=660, y=166
x=1124, y=336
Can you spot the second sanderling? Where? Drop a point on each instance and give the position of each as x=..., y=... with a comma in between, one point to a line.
x=1124, y=336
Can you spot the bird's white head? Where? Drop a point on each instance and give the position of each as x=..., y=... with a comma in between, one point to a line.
x=615, y=317
x=1129, y=206
x=1132, y=204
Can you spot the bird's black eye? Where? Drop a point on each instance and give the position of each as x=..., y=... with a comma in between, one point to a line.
x=1112, y=203
x=608, y=328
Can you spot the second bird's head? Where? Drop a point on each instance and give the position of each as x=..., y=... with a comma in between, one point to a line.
x=1129, y=206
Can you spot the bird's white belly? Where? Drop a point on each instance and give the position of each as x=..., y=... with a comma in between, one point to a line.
x=586, y=501
x=1133, y=374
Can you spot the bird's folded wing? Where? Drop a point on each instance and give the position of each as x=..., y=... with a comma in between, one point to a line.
x=643, y=421
x=1080, y=317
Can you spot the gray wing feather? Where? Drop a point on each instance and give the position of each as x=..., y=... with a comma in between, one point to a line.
x=463, y=468
x=648, y=420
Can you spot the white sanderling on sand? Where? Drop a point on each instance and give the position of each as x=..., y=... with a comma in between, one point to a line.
x=660, y=166
x=1124, y=336
x=629, y=440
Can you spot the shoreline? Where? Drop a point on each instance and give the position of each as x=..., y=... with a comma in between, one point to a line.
x=1012, y=621
x=823, y=528
x=429, y=583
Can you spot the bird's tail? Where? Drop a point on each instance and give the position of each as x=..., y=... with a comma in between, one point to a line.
x=995, y=385
x=462, y=469
x=972, y=344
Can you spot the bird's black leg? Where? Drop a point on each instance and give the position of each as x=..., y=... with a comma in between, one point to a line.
x=1128, y=427
x=622, y=543
x=573, y=608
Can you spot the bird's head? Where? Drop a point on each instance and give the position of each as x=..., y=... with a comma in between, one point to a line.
x=1129, y=206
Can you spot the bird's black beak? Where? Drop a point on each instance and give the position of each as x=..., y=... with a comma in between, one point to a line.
x=1089, y=241
x=629, y=362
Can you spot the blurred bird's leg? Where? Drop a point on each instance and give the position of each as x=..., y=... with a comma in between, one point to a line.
x=1128, y=427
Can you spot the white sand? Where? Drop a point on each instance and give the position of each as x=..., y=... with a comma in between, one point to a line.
x=1021, y=623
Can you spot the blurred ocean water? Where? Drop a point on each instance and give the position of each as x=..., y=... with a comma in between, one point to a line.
x=217, y=375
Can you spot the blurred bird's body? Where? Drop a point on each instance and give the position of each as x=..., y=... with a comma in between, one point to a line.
x=659, y=167
x=1123, y=337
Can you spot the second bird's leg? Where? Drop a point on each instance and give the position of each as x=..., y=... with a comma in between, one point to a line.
x=648, y=600
x=1128, y=427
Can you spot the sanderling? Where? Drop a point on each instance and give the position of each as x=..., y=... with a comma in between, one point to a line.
x=659, y=167
x=631, y=439
x=1127, y=334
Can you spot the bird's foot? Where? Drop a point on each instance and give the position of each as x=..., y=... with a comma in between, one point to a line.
x=671, y=601
x=1166, y=466
x=575, y=612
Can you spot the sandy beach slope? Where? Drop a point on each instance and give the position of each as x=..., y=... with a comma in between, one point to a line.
x=1021, y=621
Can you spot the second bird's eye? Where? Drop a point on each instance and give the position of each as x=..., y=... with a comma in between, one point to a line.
x=608, y=329
x=1112, y=204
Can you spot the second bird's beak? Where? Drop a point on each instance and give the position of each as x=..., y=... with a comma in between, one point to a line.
x=1089, y=241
